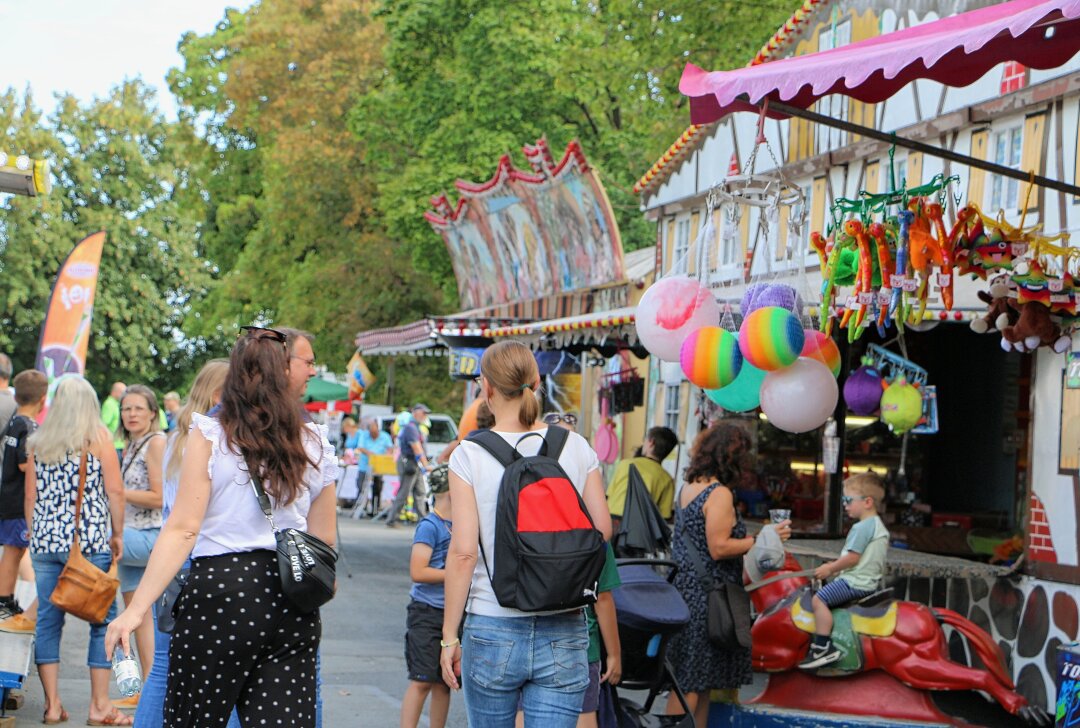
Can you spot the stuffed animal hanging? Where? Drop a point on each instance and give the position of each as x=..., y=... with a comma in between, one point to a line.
x=1034, y=328
x=1000, y=314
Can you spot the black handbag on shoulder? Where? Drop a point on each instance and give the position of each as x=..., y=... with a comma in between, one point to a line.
x=728, y=605
x=306, y=564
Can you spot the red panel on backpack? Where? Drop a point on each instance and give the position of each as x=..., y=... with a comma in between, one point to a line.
x=550, y=504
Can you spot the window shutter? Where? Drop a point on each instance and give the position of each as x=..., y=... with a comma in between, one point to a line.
x=817, y=206
x=914, y=169
x=1031, y=156
x=669, y=245
x=980, y=147
x=872, y=183
x=692, y=251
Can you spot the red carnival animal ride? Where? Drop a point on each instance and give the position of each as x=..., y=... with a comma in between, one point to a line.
x=902, y=639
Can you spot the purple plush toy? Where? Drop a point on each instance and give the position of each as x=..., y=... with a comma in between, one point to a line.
x=760, y=295
x=862, y=390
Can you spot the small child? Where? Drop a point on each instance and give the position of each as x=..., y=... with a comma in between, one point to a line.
x=602, y=626
x=425, y=616
x=30, y=389
x=859, y=569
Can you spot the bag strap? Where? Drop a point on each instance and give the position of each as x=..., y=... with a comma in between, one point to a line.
x=262, y=497
x=78, y=502
x=556, y=439
x=703, y=575
x=135, y=454
x=496, y=446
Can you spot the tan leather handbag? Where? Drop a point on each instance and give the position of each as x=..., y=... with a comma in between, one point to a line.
x=83, y=590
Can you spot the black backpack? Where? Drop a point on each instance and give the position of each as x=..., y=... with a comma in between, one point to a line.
x=548, y=553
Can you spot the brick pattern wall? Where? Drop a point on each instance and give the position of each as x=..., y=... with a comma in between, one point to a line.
x=1040, y=542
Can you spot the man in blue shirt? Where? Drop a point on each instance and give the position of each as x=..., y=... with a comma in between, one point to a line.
x=371, y=440
x=412, y=463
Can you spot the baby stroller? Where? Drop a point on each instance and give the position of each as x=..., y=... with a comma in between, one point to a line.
x=650, y=611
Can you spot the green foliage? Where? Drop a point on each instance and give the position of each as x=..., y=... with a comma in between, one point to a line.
x=469, y=80
x=117, y=169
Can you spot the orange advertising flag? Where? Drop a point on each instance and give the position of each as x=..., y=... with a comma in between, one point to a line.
x=65, y=333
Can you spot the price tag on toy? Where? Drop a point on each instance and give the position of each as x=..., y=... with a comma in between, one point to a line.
x=911, y=285
x=852, y=302
x=866, y=298
x=896, y=281
x=1056, y=285
x=1018, y=249
x=1060, y=298
x=884, y=296
x=944, y=279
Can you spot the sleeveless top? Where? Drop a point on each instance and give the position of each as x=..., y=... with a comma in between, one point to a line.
x=690, y=524
x=54, y=509
x=137, y=477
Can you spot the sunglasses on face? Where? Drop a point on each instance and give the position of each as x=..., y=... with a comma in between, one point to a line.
x=847, y=500
x=261, y=332
x=554, y=418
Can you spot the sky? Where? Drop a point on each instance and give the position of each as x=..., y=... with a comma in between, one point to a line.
x=85, y=47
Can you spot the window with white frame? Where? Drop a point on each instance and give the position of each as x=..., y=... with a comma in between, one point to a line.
x=680, y=261
x=1007, y=149
x=671, y=406
x=835, y=105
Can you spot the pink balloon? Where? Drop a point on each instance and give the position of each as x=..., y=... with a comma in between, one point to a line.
x=670, y=311
x=801, y=397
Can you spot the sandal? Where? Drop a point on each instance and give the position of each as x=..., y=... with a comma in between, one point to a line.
x=113, y=718
x=55, y=721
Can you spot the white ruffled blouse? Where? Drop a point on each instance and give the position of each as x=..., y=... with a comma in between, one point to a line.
x=234, y=522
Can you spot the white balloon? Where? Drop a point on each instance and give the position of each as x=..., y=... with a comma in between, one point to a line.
x=671, y=310
x=801, y=397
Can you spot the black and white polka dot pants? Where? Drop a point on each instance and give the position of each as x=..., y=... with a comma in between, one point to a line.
x=238, y=641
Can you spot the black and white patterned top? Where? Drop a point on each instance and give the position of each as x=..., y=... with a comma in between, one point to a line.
x=54, y=510
x=137, y=477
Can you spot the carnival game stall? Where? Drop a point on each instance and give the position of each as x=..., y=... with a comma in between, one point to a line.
x=895, y=295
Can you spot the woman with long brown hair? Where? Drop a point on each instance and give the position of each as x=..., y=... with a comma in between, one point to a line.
x=709, y=529
x=237, y=637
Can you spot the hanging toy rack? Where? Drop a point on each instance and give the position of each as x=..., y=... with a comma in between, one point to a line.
x=891, y=365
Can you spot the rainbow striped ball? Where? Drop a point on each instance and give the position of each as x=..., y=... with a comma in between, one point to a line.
x=710, y=357
x=823, y=348
x=771, y=338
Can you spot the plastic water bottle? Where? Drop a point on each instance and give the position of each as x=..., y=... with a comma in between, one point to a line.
x=126, y=672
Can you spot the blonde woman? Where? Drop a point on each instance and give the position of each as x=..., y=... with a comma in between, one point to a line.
x=204, y=396
x=140, y=469
x=71, y=428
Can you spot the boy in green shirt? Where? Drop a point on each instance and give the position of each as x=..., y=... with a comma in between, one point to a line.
x=602, y=625
x=859, y=569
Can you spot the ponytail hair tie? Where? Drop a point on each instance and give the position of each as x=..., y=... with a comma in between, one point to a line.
x=524, y=387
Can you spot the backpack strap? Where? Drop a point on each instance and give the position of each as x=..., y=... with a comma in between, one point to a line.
x=496, y=446
x=556, y=438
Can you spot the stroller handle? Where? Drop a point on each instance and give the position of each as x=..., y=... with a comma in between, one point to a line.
x=652, y=562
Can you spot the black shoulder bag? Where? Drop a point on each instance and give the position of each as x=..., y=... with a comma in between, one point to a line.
x=306, y=564
x=728, y=605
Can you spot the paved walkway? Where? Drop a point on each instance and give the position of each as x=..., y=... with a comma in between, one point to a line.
x=362, y=647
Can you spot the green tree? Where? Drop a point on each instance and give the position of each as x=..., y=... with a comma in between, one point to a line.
x=117, y=169
x=469, y=80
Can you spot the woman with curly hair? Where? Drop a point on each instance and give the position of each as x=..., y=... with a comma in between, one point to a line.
x=706, y=517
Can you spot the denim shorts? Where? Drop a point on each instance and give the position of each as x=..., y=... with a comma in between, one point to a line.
x=138, y=543
x=544, y=659
x=13, y=533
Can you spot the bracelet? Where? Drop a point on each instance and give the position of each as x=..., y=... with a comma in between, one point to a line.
x=444, y=645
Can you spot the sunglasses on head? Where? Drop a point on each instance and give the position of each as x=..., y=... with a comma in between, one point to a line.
x=554, y=418
x=847, y=500
x=261, y=332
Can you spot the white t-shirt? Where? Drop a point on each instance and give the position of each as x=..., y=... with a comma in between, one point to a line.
x=483, y=472
x=234, y=522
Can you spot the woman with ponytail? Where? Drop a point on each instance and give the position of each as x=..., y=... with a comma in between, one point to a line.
x=238, y=641
x=504, y=653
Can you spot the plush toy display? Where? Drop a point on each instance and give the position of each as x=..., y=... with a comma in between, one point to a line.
x=1034, y=328
x=1000, y=314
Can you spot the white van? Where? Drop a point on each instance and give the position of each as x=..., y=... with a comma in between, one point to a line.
x=442, y=431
